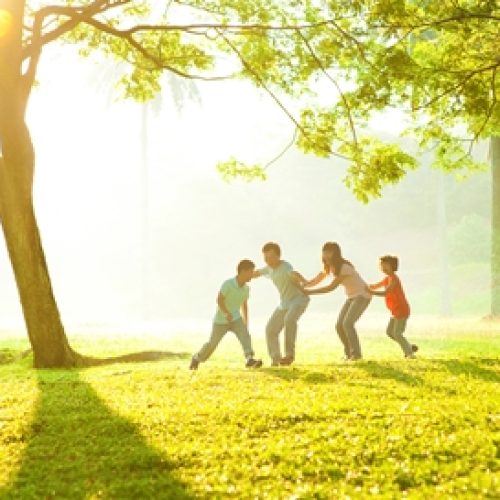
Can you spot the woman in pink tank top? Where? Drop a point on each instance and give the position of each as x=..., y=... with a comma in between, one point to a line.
x=356, y=290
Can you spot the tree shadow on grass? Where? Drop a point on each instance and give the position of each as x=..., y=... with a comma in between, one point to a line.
x=80, y=449
x=83, y=361
x=307, y=376
x=372, y=368
x=474, y=367
x=385, y=371
x=135, y=357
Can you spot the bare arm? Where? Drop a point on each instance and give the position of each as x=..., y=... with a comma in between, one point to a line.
x=392, y=284
x=380, y=284
x=222, y=305
x=326, y=289
x=316, y=280
x=244, y=312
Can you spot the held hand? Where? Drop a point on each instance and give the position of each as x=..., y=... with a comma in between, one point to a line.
x=229, y=317
x=368, y=289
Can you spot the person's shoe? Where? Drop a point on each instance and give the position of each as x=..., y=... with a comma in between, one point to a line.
x=345, y=358
x=253, y=363
x=195, y=362
x=411, y=356
x=414, y=347
x=286, y=361
x=275, y=362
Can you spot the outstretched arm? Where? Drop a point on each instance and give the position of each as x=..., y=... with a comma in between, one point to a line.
x=380, y=284
x=263, y=271
x=316, y=280
x=371, y=288
x=326, y=289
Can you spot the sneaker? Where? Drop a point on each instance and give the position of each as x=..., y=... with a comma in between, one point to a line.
x=414, y=347
x=195, y=362
x=253, y=363
x=411, y=356
x=286, y=361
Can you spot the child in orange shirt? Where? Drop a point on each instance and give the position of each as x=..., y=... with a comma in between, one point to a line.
x=396, y=303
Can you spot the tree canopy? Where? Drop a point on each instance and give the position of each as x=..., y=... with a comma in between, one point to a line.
x=435, y=61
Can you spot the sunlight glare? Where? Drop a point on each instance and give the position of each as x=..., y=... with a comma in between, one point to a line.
x=5, y=22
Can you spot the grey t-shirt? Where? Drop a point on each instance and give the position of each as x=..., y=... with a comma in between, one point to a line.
x=282, y=278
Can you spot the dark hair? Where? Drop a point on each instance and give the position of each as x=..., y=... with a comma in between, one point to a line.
x=337, y=260
x=392, y=260
x=245, y=265
x=272, y=247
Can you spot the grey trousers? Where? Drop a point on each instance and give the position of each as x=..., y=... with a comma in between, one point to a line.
x=350, y=313
x=395, y=330
x=286, y=318
x=218, y=331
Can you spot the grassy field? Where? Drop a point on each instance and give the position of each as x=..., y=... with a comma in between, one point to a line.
x=385, y=427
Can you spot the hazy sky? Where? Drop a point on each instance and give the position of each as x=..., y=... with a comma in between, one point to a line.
x=89, y=195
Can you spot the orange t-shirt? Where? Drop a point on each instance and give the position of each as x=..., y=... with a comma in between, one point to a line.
x=395, y=299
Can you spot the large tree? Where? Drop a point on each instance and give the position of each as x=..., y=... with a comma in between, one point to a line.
x=437, y=61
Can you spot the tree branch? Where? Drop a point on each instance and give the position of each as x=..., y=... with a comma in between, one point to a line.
x=459, y=85
x=76, y=15
x=282, y=153
x=439, y=22
x=158, y=63
x=337, y=86
x=273, y=95
x=239, y=27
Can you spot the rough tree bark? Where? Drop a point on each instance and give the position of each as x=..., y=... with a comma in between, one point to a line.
x=45, y=330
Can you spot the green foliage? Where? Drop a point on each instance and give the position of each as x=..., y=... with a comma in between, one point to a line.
x=164, y=50
x=376, y=164
x=381, y=428
x=438, y=61
x=233, y=168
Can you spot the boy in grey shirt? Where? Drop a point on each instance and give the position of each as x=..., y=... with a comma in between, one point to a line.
x=293, y=303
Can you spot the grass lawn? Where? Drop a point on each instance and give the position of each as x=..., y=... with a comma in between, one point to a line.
x=385, y=427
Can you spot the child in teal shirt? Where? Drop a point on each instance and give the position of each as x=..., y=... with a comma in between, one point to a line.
x=231, y=315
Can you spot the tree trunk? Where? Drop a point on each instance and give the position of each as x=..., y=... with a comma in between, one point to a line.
x=45, y=330
x=495, y=227
x=41, y=314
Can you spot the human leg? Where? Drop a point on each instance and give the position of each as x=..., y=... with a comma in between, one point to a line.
x=273, y=329
x=339, y=326
x=218, y=331
x=291, y=319
x=354, y=312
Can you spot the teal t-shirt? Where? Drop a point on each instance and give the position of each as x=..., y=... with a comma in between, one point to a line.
x=234, y=296
x=282, y=278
